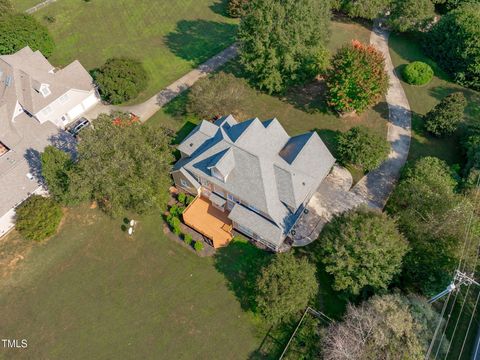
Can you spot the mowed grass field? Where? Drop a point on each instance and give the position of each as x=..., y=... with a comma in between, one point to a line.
x=93, y=292
x=403, y=50
x=168, y=37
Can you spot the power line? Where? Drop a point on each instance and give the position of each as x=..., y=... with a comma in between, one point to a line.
x=468, y=328
x=430, y=348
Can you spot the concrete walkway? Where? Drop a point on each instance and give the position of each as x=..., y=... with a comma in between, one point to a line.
x=148, y=108
x=377, y=185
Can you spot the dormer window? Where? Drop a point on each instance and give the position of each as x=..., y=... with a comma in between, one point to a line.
x=45, y=90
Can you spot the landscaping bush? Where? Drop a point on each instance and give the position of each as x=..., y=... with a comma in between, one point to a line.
x=417, y=73
x=360, y=147
x=187, y=238
x=175, y=224
x=236, y=8
x=20, y=30
x=121, y=79
x=218, y=95
x=453, y=43
x=444, y=118
x=283, y=43
x=189, y=199
x=181, y=197
x=361, y=249
x=357, y=79
x=176, y=210
x=38, y=218
x=198, y=246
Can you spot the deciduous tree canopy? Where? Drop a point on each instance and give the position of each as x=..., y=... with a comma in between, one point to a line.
x=219, y=95
x=123, y=167
x=56, y=167
x=411, y=15
x=453, y=43
x=285, y=287
x=20, y=30
x=362, y=249
x=357, y=79
x=284, y=42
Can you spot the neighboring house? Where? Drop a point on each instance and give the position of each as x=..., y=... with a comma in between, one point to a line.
x=36, y=102
x=251, y=176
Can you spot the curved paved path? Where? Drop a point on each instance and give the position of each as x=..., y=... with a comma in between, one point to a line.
x=377, y=185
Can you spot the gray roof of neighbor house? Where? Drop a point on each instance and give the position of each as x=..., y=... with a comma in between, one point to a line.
x=22, y=73
x=262, y=165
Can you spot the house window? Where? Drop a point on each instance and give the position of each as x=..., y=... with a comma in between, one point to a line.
x=184, y=183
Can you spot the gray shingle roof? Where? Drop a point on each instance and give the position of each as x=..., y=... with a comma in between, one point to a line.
x=267, y=169
x=22, y=73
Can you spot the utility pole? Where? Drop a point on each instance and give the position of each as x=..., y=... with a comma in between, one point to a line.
x=459, y=279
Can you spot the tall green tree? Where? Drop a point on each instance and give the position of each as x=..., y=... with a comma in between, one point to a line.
x=283, y=42
x=123, y=165
x=56, y=166
x=237, y=8
x=357, y=78
x=445, y=117
x=361, y=249
x=384, y=327
x=453, y=43
x=433, y=217
x=285, y=287
x=218, y=95
x=411, y=15
x=38, y=218
x=20, y=30
x=367, y=9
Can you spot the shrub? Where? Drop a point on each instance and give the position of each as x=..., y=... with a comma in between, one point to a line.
x=189, y=200
x=357, y=79
x=175, y=224
x=20, y=30
x=187, y=238
x=359, y=146
x=176, y=210
x=198, y=246
x=220, y=94
x=237, y=8
x=367, y=9
x=411, y=15
x=444, y=118
x=362, y=249
x=121, y=79
x=38, y=218
x=182, y=197
x=453, y=43
x=417, y=73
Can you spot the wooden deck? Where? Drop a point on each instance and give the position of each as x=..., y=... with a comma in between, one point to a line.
x=202, y=216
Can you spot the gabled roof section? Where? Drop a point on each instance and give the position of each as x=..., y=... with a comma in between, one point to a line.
x=201, y=133
x=294, y=146
x=225, y=162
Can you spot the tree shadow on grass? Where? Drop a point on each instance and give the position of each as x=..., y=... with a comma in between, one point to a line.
x=309, y=97
x=220, y=7
x=330, y=138
x=198, y=40
x=241, y=262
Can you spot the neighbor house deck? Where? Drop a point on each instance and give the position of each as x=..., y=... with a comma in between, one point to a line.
x=211, y=222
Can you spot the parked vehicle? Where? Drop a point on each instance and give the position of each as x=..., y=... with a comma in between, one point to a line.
x=78, y=126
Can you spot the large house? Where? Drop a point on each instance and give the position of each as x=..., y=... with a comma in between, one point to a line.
x=37, y=101
x=250, y=176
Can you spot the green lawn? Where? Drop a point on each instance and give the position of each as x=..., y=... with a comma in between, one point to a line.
x=93, y=292
x=168, y=37
x=22, y=5
x=403, y=50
